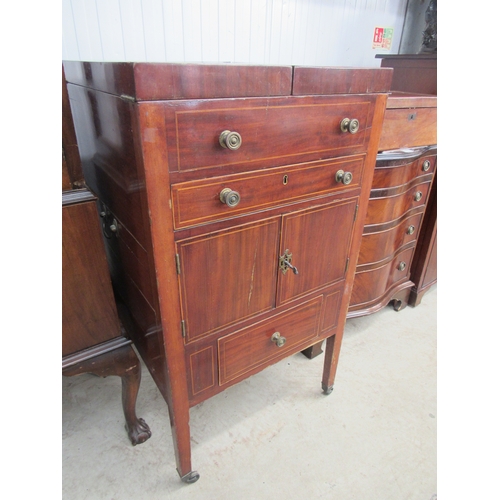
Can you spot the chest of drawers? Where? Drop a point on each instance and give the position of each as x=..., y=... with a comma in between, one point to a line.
x=238, y=195
x=401, y=199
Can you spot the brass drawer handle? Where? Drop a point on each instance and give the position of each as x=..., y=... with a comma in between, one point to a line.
x=349, y=125
x=278, y=339
x=230, y=140
x=229, y=197
x=426, y=165
x=410, y=230
x=402, y=266
x=418, y=196
x=344, y=177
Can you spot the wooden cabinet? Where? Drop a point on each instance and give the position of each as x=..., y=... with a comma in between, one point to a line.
x=93, y=340
x=401, y=199
x=238, y=196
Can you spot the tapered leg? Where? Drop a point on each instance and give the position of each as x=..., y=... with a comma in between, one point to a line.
x=122, y=362
x=330, y=365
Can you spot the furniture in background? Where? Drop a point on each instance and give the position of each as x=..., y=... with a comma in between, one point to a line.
x=412, y=72
x=238, y=195
x=93, y=341
x=401, y=193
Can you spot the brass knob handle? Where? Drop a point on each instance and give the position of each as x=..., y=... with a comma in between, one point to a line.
x=410, y=230
x=349, y=125
x=426, y=165
x=402, y=266
x=229, y=197
x=278, y=339
x=418, y=196
x=344, y=177
x=230, y=140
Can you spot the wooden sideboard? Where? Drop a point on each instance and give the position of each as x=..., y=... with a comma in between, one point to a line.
x=93, y=340
x=400, y=207
x=238, y=195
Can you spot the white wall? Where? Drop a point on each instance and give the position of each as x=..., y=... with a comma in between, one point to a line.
x=299, y=32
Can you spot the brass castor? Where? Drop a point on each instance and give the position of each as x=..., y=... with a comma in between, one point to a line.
x=190, y=477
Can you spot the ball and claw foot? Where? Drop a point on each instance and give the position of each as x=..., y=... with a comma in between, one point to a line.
x=190, y=477
x=327, y=390
x=138, y=432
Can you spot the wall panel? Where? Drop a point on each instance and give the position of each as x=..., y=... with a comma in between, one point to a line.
x=300, y=32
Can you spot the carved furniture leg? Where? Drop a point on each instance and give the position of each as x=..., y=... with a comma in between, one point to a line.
x=122, y=362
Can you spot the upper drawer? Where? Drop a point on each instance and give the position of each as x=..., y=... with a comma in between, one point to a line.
x=273, y=131
x=408, y=128
x=198, y=202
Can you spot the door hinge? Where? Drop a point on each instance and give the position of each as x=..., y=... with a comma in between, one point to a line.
x=356, y=212
x=178, y=263
x=346, y=265
x=183, y=328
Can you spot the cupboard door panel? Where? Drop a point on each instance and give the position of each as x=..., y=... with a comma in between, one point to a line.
x=318, y=240
x=227, y=276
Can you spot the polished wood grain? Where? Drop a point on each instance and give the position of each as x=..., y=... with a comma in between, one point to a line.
x=153, y=163
x=249, y=349
x=87, y=318
x=198, y=202
x=275, y=131
x=326, y=81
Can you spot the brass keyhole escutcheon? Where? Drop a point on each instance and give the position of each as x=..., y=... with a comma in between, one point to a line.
x=285, y=180
x=418, y=196
x=402, y=266
x=410, y=230
x=278, y=339
x=426, y=165
x=285, y=263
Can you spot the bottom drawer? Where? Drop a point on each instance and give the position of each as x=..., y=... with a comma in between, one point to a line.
x=252, y=348
x=370, y=286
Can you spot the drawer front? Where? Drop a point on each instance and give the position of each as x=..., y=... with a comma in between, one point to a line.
x=391, y=207
x=379, y=245
x=274, y=131
x=370, y=286
x=252, y=348
x=198, y=202
x=397, y=175
x=408, y=127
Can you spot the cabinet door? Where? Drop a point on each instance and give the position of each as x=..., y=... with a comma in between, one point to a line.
x=228, y=275
x=318, y=241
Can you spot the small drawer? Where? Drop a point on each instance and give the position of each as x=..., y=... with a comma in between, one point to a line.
x=390, y=174
x=390, y=205
x=217, y=198
x=371, y=285
x=382, y=241
x=272, y=132
x=408, y=127
x=252, y=348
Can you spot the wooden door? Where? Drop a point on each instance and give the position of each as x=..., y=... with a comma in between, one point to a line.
x=228, y=275
x=318, y=240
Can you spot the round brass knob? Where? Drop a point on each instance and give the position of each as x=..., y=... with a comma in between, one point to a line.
x=410, y=230
x=418, y=196
x=402, y=266
x=230, y=140
x=344, y=177
x=278, y=339
x=349, y=125
x=426, y=165
x=229, y=197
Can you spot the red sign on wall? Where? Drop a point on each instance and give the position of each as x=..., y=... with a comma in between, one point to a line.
x=382, y=38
